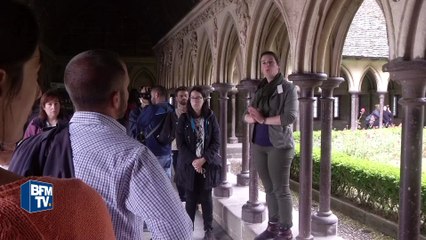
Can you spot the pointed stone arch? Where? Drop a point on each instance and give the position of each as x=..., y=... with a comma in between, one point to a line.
x=177, y=66
x=205, y=63
x=228, y=50
x=370, y=75
x=233, y=63
x=253, y=39
x=377, y=75
x=331, y=34
x=269, y=33
x=343, y=88
x=405, y=23
x=394, y=95
x=368, y=90
x=348, y=77
x=142, y=77
x=187, y=69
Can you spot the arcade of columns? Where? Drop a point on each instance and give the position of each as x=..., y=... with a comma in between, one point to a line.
x=218, y=44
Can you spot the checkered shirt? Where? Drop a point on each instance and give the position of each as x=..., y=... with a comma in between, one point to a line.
x=129, y=178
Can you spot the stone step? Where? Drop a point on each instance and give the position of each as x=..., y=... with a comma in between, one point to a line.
x=234, y=150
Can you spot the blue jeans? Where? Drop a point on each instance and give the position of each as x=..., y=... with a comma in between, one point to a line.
x=165, y=162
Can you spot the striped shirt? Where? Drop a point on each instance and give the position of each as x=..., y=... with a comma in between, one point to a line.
x=129, y=178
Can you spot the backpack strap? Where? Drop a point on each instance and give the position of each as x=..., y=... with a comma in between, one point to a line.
x=155, y=128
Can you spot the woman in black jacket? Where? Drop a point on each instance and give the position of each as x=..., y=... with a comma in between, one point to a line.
x=199, y=162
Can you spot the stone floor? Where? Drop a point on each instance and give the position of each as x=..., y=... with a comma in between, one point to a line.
x=348, y=229
x=198, y=234
x=218, y=231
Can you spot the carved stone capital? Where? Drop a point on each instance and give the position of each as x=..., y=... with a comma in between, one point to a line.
x=248, y=85
x=329, y=85
x=307, y=82
x=410, y=75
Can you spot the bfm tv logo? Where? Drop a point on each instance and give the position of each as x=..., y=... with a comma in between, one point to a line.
x=36, y=196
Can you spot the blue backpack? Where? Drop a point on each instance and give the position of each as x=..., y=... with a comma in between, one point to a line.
x=46, y=154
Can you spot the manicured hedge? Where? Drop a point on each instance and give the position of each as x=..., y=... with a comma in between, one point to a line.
x=370, y=185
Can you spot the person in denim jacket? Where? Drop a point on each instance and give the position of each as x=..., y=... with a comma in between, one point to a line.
x=149, y=122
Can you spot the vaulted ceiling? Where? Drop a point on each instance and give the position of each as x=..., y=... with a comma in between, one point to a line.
x=130, y=27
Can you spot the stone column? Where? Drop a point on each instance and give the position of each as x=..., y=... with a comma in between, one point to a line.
x=306, y=82
x=324, y=222
x=225, y=188
x=208, y=89
x=233, y=138
x=253, y=211
x=171, y=98
x=354, y=110
x=296, y=125
x=246, y=88
x=411, y=75
x=381, y=103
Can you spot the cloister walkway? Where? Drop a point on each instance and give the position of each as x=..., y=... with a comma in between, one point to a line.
x=227, y=214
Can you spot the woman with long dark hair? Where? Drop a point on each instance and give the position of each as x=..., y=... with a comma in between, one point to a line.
x=199, y=162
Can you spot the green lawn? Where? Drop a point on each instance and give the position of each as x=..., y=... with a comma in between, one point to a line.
x=381, y=145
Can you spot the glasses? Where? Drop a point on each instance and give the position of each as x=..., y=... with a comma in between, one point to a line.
x=196, y=98
x=145, y=95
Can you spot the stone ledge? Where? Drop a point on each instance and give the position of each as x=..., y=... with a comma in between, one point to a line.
x=227, y=212
x=374, y=221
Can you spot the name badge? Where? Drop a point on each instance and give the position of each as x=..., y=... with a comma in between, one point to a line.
x=280, y=89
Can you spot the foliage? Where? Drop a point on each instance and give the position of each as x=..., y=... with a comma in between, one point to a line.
x=364, y=168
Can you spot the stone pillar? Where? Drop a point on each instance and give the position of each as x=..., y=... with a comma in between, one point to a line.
x=296, y=125
x=411, y=75
x=354, y=110
x=208, y=89
x=324, y=222
x=246, y=88
x=225, y=188
x=381, y=103
x=171, y=98
x=233, y=138
x=306, y=82
x=253, y=211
